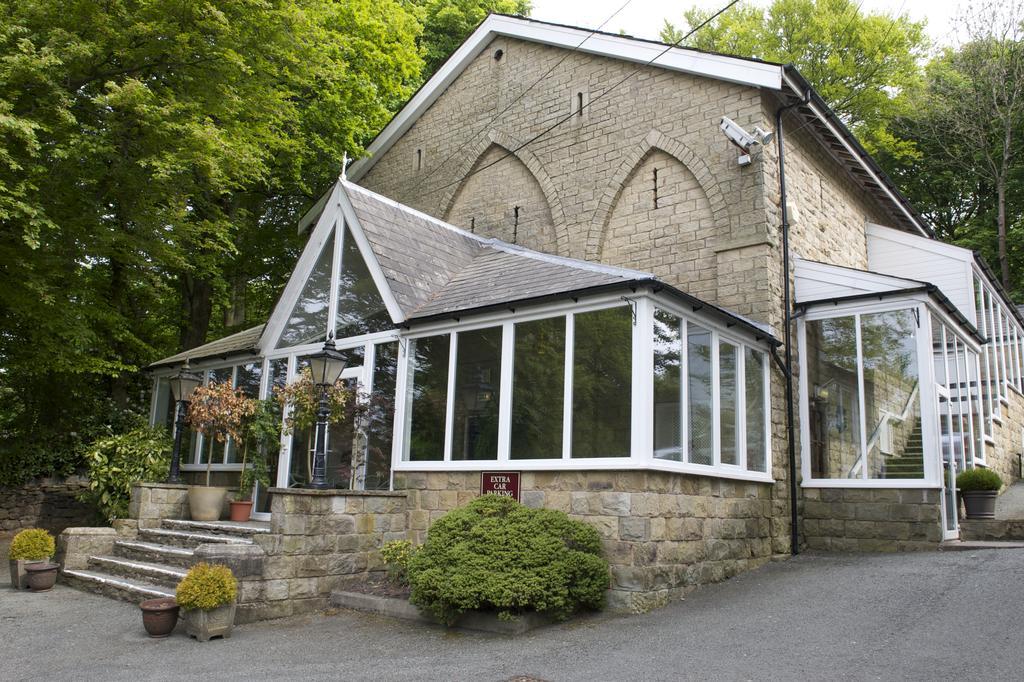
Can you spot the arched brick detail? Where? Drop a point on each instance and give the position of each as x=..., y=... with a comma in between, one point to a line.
x=532, y=163
x=654, y=140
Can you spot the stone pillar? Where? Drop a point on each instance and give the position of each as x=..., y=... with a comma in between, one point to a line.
x=152, y=502
x=76, y=545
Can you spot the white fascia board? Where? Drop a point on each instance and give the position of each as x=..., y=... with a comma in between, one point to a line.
x=356, y=230
x=855, y=154
x=841, y=276
x=720, y=67
x=876, y=231
x=300, y=274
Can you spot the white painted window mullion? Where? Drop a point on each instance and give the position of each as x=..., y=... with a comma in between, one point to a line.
x=332, y=308
x=642, y=389
x=449, y=425
x=741, y=406
x=716, y=404
x=567, y=406
x=684, y=390
x=862, y=425
x=505, y=391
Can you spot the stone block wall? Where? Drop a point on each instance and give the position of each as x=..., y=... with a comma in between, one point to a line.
x=152, y=502
x=319, y=539
x=45, y=503
x=872, y=520
x=664, y=534
x=76, y=545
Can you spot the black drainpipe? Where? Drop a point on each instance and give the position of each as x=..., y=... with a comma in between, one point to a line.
x=787, y=331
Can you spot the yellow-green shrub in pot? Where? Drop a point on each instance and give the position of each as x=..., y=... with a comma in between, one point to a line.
x=207, y=595
x=32, y=545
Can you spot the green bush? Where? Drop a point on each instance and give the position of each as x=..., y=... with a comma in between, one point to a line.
x=206, y=587
x=495, y=554
x=397, y=554
x=978, y=479
x=116, y=462
x=32, y=544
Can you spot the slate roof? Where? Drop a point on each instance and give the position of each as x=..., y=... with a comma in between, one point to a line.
x=437, y=270
x=245, y=341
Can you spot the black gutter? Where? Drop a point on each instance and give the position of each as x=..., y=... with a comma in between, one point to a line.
x=656, y=286
x=925, y=288
x=787, y=302
x=199, y=358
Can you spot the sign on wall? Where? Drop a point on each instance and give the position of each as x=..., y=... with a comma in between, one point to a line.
x=505, y=483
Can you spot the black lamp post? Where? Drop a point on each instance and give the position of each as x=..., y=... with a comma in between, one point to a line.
x=182, y=386
x=326, y=368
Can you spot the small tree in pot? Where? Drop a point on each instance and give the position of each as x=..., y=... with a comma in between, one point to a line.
x=30, y=546
x=207, y=593
x=217, y=411
x=260, y=431
x=978, y=489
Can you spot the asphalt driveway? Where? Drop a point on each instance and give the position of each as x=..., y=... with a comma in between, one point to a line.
x=926, y=616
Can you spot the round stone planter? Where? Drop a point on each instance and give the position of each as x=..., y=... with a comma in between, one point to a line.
x=979, y=504
x=241, y=510
x=19, y=574
x=205, y=503
x=159, y=616
x=205, y=625
x=42, y=576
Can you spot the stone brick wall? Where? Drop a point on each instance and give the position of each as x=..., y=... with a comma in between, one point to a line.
x=45, y=503
x=152, y=502
x=664, y=534
x=319, y=539
x=1001, y=455
x=871, y=520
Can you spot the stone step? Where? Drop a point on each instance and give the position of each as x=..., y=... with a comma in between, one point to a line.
x=227, y=528
x=188, y=539
x=158, y=574
x=114, y=586
x=988, y=530
x=152, y=552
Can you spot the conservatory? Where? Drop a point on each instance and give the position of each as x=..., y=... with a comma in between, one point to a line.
x=471, y=354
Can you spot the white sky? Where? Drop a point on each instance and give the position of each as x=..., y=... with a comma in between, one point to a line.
x=643, y=18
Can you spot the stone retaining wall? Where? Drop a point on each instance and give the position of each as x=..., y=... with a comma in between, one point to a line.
x=152, y=502
x=318, y=540
x=45, y=503
x=871, y=520
x=664, y=534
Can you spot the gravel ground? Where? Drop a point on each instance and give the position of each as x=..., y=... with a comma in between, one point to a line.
x=926, y=616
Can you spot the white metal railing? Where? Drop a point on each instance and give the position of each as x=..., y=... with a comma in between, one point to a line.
x=884, y=430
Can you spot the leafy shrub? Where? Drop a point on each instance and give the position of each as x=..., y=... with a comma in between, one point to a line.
x=116, y=462
x=978, y=479
x=206, y=587
x=396, y=556
x=32, y=544
x=495, y=554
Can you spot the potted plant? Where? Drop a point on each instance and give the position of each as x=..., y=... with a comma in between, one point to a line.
x=978, y=489
x=159, y=616
x=30, y=546
x=261, y=428
x=217, y=411
x=207, y=594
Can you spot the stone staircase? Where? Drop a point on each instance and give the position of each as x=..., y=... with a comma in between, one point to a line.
x=152, y=564
x=911, y=463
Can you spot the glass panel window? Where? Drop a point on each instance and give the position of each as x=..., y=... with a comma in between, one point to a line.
x=891, y=397
x=602, y=383
x=834, y=398
x=538, y=389
x=728, y=399
x=380, y=417
x=698, y=388
x=668, y=413
x=338, y=448
x=477, y=390
x=308, y=320
x=361, y=309
x=427, y=397
x=278, y=370
x=754, y=397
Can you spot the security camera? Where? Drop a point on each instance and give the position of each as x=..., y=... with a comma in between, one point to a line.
x=744, y=140
x=737, y=135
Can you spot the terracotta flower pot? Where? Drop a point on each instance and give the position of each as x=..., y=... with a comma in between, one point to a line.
x=205, y=503
x=204, y=625
x=241, y=510
x=159, y=616
x=42, y=576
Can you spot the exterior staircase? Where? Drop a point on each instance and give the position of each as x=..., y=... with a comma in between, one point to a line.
x=911, y=463
x=153, y=564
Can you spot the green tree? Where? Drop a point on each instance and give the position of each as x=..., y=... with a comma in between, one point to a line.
x=154, y=156
x=446, y=23
x=863, y=64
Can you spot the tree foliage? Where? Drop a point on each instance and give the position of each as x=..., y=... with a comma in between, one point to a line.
x=862, y=63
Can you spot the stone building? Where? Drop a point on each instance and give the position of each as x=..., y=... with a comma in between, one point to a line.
x=555, y=263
